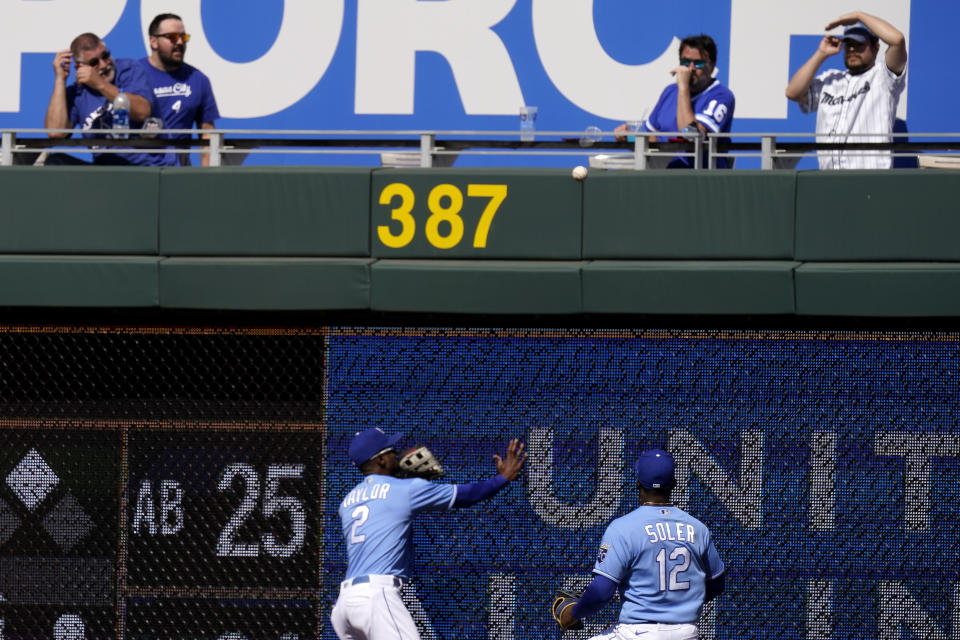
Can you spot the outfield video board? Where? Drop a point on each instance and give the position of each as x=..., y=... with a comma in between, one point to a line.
x=827, y=466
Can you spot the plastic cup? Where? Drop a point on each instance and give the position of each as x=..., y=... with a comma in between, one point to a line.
x=528, y=123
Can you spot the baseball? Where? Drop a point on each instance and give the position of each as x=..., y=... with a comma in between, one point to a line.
x=579, y=173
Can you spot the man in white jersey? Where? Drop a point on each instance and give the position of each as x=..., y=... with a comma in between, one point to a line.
x=661, y=558
x=376, y=517
x=861, y=100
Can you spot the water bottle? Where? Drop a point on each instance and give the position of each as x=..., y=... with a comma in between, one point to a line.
x=121, y=114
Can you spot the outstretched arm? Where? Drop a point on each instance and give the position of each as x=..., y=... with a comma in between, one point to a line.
x=598, y=593
x=896, y=56
x=508, y=469
x=800, y=82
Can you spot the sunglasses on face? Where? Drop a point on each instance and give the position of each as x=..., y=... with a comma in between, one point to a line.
x=95, y=61
x=175, y=38
x=697, y=64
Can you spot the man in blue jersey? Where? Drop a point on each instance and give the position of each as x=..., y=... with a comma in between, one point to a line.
x=88, y=102
x=376, y=518
x=696, y=102
x=662, y=559
x=182, y=95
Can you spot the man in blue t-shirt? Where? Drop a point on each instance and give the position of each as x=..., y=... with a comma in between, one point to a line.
x=182, y=95
x=661, y=558
x=88, y=102
x=696, y=102
x=376, y=518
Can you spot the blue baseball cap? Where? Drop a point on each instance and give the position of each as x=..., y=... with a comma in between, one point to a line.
x=859, y=32
x=370, y=443
x=655, y=469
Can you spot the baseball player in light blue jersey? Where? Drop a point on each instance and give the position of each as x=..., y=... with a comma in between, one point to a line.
x=662, y=560
x=376, y=516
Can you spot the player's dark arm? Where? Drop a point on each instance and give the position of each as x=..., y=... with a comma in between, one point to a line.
x=508, y=468
x=598, y=593
x=473, y=492
x=715, y=587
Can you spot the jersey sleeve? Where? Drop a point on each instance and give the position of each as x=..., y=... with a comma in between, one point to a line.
x=208, y=111
x=134, y=79
x=716, y=113
x=813, y=95
x=72, y=113
x=713, y=566
x=613, y=555
x=652, y=123
x=895, y=83
x=430, y=496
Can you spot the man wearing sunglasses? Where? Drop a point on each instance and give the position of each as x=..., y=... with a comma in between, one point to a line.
x=182, y=95
x=88, y=102
x=860, y=100
x=695, y=102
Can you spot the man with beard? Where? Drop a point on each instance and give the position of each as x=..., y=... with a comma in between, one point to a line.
x=88, y=102
x=182, y=94
x=861, y=100
x=696, y=102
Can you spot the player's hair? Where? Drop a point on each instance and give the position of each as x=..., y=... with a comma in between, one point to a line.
x=154, y=27
x=84, y=42
x=702, y=43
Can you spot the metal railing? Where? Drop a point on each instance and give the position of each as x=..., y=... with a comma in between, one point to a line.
x=432, y=148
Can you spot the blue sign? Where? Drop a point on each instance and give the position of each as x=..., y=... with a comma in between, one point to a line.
x=470, y=64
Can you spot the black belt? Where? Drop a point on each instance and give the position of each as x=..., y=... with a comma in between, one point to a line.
x=397, y=581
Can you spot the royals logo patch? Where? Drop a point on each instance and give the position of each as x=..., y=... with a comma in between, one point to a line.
x=602, y=553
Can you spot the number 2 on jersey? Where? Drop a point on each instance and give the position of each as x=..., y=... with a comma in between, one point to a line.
x=359, y=515
x=675, y=584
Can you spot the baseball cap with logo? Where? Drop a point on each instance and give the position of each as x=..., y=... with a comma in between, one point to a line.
x=369, y=443
x=859, y=32
x=655, y=469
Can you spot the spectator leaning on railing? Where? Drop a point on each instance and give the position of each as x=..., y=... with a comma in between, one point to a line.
x=860, y=100
x=696, y=102
x=88, y=102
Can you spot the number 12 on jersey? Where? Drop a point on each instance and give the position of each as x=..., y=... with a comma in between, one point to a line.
x=678, y=563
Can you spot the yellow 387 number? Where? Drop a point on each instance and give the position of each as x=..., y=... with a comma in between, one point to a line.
x=445, y=202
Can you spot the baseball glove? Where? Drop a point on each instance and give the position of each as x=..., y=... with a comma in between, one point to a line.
x=561, y=602
x=419, y=462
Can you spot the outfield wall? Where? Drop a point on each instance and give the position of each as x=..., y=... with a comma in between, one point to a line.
x=170, y=482
x=506, y=241
x=165, y=474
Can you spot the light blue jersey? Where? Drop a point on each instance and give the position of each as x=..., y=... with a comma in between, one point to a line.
x=661, y=557
x=376, y=517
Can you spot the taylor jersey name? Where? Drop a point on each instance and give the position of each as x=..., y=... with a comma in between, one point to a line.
x=364, y=493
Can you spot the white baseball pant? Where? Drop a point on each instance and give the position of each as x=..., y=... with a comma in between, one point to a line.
x=371, y=608
x=653, y=631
